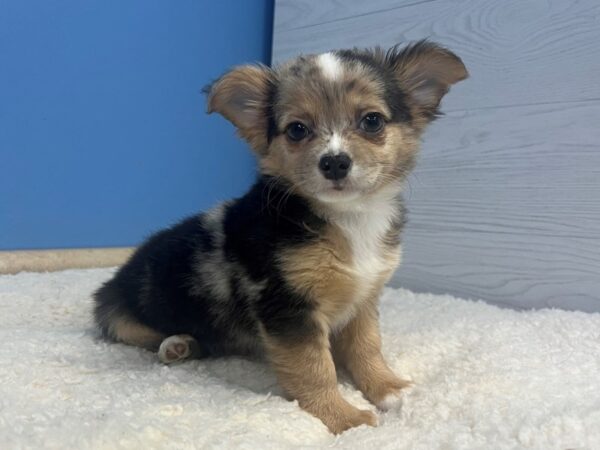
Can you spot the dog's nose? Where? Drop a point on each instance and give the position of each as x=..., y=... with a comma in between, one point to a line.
x=335, y=167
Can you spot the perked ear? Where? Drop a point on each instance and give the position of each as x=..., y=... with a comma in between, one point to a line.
x=426, y=71
x=243, y=97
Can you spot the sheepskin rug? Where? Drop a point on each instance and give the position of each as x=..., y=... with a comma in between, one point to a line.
x=484, y=377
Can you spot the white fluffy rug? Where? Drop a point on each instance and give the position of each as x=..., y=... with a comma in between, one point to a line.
x=484, y=378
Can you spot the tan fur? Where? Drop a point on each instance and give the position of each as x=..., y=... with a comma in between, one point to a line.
x=389, y=156
x=322, y=270
x=241, y=96
x=358, y=348
x=426, y=72
x=306, y=372
x=381, y=158
x=429, y=73
x=342, y=290
x=128, y=331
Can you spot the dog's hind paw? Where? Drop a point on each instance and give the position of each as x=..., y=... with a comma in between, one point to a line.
x=177, y=348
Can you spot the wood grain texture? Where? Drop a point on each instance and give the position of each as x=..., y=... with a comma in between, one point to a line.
x=505, y=206
x=505, y=202
x=304, y=13
x=512, y=48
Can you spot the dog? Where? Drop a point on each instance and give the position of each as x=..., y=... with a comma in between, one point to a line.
x=292, y=270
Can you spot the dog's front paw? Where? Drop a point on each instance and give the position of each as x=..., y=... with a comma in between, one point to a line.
x=344, y=416
x=364, y=417
x=346, y=420
x=390, y=401
x=386, y=394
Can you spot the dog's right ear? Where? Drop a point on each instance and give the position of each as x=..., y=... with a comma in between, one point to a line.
x=244, y=96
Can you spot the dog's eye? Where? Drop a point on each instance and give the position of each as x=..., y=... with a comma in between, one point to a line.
x=297, y=131
x=372, y=123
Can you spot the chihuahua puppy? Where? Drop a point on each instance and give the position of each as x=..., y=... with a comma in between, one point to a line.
x=293, y=269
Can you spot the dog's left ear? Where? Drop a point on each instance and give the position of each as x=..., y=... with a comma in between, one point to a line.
x=425, y=71
x=243, y=97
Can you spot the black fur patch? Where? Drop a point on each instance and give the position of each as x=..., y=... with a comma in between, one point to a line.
x=159, y=285
x=394, y=96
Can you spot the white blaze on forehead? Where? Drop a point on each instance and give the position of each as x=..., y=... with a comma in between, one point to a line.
x=330, y=65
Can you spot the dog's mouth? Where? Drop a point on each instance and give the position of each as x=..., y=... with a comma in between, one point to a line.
x=338, y=185
x=338, y=190
x=341, y=187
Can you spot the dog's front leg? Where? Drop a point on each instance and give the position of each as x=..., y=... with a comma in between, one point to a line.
x=358, y=349
x=306, y=372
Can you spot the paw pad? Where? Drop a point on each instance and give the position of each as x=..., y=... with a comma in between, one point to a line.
x=175, y=348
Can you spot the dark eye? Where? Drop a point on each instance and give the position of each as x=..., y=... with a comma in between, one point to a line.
x=296, y=131
x=372, y=123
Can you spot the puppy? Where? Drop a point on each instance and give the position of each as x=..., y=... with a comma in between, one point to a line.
x=293, y=269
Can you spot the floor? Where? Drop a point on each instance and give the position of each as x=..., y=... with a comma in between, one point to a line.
x=61, y=259
x=483, y=377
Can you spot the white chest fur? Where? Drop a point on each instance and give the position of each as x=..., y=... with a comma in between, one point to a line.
x=365, y=227
x=365, y=231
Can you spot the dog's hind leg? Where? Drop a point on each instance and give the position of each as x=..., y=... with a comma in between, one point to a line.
x=131, y=332
x=171, y=349
x=118, y=324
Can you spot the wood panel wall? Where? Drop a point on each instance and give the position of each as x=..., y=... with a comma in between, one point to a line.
x=505, y=202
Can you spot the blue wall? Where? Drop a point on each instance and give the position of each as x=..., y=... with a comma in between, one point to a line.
x=103, y=131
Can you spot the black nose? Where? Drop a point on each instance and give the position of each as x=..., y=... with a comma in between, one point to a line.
x=335, y=167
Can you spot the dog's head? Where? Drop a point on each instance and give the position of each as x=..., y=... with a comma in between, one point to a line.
x=340, y=125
